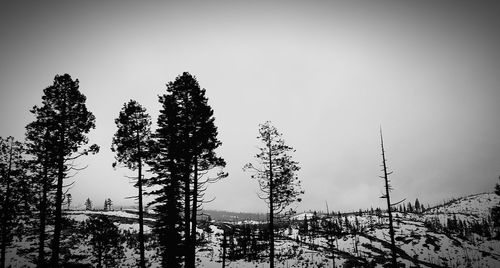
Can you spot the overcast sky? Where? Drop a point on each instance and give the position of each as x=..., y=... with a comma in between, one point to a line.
x=327, y=74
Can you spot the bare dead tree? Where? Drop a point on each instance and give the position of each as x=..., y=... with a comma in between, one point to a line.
x=388, y=188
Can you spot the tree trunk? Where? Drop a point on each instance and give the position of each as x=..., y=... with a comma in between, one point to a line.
x=194, y=211
x=5, y=214
x=224, y=245
x=43, y=216
x=60, y=177
x=187, y=222
x=58, y=216
x=43, y=210
x=271, y=210
x=142, y=263
x=391, y=228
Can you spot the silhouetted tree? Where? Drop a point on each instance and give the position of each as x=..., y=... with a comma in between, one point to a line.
x=68, y=200
x=410, y=207
x=88, y=204
x=68, y=120
x=12, y=177
x=276, y=174
x=108, y=204
x=43, y=165
x=132, y=143
x=495, y=213
x=187, y=135
x=417, y=206
x=388, y=188
x=201, y=143
x=105, y=240
x=167, y=165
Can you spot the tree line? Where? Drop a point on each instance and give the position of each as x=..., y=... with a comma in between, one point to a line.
x=180, y=156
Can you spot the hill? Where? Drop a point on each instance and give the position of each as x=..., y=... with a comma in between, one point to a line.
x=455, y=234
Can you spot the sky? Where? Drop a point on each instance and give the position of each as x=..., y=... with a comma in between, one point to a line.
x=327, y=74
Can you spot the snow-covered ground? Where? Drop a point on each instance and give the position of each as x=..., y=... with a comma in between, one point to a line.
x=369, y=246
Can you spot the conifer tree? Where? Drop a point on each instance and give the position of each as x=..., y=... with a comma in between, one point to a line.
x=67, y=121
x=13, y=176
x=132, y=143
x=167, y=168
x=185, y=144
x=88, y=204
x=105, y=241
x=276, y=174
x=69, y=198
x=40, y=141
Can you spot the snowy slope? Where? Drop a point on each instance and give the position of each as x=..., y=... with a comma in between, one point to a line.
x=417, y=243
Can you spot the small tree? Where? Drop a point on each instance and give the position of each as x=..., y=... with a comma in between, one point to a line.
x=69, y=198
x=88, y=204
x=108, y=204
x=495, y=213
x=276, y=174
x=105, y=240
x=417, y=206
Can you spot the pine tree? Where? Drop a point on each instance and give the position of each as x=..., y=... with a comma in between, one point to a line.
x=132, y=143
x=88, y=204
x=187, y=136
x=13, y=176
x=69, y=198
x=67, y=120
x=417, y=206
x=276, y=174
x=167, y=164
x=110, y=204
x=105, y=240
x=410, y=207
x=43, y=166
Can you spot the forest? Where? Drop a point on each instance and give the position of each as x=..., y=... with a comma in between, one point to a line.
x=174, y=164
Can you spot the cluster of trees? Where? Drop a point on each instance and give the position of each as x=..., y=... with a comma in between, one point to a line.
x=181, y=157
x=105, y=240
x=89, y=205
x=34, y=170
x=243, y=242
x=108, y=204
x=179, y=154
x=416, y=207
x=459, y=227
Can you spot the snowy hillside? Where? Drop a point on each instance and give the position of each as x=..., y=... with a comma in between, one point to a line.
x=474, y=205
x=457, y=234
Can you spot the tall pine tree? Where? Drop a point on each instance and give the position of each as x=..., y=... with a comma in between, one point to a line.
x=276, y=174
x=131, y=143
x=167, y=168
x=68, y=121
x=185, y=144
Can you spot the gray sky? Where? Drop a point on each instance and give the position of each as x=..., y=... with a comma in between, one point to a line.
x=327, y=74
